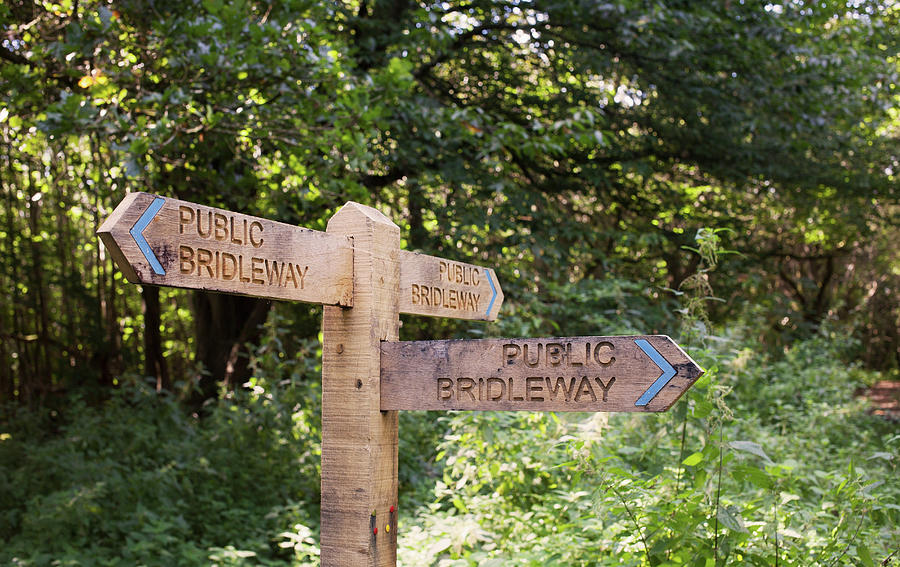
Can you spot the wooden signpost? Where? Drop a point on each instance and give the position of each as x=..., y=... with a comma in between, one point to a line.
x=358, y=272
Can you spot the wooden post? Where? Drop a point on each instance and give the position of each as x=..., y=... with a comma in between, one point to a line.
x=359, y=442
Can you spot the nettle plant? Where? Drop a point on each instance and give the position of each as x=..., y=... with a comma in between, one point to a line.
x=700, y=488
x=765, y=461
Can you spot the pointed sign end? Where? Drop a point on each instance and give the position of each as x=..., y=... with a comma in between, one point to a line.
x=496, y=300
x=678, y=371
x=114, y=232
x=137, y=233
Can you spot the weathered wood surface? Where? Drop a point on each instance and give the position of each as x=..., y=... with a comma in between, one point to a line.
x=438, y=287
x=199, y=247
x=611, y=374
x=359, y=442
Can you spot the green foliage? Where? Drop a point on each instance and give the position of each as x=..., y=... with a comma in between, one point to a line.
x=765, y=460
x=137, y=481
x=571, y=143
x=544, y=489
x=578, y=148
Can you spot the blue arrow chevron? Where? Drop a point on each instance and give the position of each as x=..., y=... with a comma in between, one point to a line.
x=137, y=232
x=668, y=372
x=490, y=280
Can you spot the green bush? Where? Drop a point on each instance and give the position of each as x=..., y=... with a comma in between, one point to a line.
x=138, y=481
x=765, y=456
x=709, y=483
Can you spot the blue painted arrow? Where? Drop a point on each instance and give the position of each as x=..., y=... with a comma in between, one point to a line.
x=668, y=372
x=137, y=232
x=490, y=280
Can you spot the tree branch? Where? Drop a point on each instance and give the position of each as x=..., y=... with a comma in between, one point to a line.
x=382, y=180
x=794, y=287
x=14, y=57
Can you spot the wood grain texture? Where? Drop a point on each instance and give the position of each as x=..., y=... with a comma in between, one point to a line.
x=359, y=442
x=438, y=287
x=554, y=374
x=201, y=247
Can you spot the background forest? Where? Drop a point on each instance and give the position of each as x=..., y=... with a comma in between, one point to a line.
x=724, y=172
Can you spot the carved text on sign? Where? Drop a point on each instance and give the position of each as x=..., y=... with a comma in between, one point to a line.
x=451, y=274
x=558, y=354
x=443, y=288
x=530, y=389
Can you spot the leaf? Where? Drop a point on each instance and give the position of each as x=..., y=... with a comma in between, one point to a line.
x=730, y=517
x=439, y=546
x=870, y=487
x=693, y=460
x=701, y=409
x=751, y=447
x=754, y=475
x=875, y=455
x=400, y=68
x=864, y=555
x=787, y=497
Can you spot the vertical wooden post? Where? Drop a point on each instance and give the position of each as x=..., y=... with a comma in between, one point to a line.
x=359, y=442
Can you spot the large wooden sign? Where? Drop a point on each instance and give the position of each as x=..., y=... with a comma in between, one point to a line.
x=443, y=288
x=357, y=270
x=621, y=374
x=162, y=241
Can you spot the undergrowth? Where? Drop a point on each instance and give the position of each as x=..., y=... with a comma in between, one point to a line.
x=768, y=460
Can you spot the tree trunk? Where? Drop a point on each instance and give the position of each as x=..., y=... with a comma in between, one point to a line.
x=8, y=314
x=7, y=387
x=42, y=380
x=224, y=325
x=154, y=363
x=417, y=233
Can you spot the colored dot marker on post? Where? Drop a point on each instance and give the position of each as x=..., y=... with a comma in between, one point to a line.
x=387, y=527
x=375, y=530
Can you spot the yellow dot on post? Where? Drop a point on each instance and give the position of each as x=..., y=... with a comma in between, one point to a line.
x=387, y=527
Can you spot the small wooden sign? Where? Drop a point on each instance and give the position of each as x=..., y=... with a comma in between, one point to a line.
x=438, y=287
x=610, y=374
x=162, y=241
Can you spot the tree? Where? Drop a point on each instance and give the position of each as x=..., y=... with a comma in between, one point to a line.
x=572, y=140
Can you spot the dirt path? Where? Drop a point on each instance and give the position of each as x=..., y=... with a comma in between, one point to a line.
x=884, y=397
